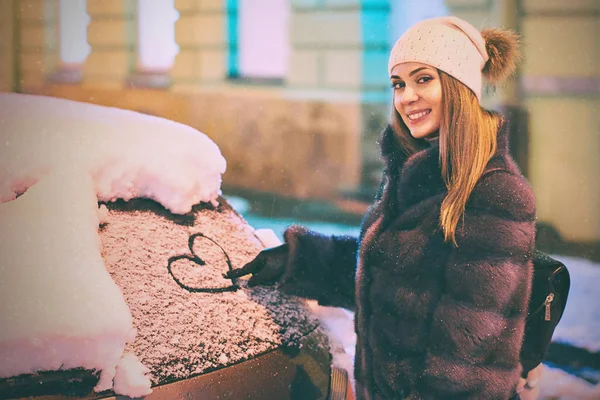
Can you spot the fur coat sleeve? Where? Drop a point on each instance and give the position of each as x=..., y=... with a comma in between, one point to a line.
x=478, y=323
x=323, y=267
x=320, y=267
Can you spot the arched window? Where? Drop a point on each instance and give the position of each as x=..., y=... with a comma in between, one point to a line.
x=73, y=22
x=263, y=38
x=156, y=35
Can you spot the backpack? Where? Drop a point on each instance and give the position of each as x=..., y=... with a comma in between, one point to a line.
x=549, y=292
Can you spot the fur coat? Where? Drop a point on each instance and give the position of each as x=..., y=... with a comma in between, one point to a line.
x=433, y=321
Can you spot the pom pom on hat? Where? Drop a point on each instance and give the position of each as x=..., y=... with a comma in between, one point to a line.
x=502, y=47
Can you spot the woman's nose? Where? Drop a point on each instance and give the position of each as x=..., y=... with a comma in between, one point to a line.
x=409, y=95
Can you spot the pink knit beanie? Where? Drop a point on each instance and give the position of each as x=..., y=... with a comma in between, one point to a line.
x=459, y=49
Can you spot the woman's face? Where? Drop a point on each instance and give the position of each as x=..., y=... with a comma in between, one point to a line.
x=418, y=97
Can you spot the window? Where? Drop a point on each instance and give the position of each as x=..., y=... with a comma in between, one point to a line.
x=73, y=21
x=263, y=38
x=406, y=13
x=157, y=47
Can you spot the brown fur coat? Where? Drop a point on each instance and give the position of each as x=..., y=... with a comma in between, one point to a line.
x=433, y=321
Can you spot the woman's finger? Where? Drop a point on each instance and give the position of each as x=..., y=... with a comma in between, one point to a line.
x=251, y=268
x=268, y=275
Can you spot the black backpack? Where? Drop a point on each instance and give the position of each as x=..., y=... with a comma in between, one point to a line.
x=549, y=292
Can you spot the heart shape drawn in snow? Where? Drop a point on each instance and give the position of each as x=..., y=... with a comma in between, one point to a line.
x=203, y=280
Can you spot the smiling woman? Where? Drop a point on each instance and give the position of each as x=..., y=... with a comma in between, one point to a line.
x=441, y=272
x=418, y=98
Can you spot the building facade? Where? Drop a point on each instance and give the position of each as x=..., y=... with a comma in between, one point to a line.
x=295, y=92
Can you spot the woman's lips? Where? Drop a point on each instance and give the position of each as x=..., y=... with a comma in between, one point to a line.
x=417, y=117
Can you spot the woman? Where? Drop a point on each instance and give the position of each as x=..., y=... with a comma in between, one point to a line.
x=440, y=276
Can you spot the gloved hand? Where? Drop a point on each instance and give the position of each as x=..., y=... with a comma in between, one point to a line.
x=266, y=268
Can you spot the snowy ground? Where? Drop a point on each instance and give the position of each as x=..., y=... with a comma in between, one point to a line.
x=580, y=324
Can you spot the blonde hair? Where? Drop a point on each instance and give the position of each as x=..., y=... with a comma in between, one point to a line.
x=467, y=140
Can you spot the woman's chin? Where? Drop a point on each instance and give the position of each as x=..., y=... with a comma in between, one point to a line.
x=421, y=134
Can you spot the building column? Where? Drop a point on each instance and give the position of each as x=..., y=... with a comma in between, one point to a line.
x=37, y=47
x=7, y=46
x=112, y=36
x=201, y=33
x=339, y=51
x=561, y=90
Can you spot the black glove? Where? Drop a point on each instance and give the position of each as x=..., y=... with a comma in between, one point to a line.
x=266, y=269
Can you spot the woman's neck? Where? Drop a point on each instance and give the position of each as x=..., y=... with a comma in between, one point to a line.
x=433, y=138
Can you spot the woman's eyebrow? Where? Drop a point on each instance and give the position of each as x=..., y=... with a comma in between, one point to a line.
x=416, y=70
x=410, y=74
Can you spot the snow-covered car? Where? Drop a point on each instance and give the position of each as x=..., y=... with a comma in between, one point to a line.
x=113, y=244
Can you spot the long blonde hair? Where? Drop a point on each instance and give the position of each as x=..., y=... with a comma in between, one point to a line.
x=467, y=142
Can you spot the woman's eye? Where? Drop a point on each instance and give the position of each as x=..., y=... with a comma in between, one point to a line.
x=397, y=85
x=424, y=79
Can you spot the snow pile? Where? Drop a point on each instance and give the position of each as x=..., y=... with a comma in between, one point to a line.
x=557, y=384
x=339, y=326
x=580, y=323
x=59, y=307
x=131, y=377
x=128, y=154
x=267, y=237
